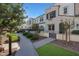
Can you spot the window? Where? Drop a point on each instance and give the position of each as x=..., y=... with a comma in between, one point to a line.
x=41, y=28
x=49, y=26
x=29, y=22
x=65, y=10
x=47, y=16
x=53, y=27
x=53, y=14
x=77, y=26
x=41, y=19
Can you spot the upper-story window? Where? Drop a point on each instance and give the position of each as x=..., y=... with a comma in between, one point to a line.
x=49, y=27
x=53, y=14
x=77, y=26
x=47, y=16
x=65, y=10
x=29, y=22
x=41, y=19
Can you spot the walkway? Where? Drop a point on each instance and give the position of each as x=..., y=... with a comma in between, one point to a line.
x=26, y=46
x=42, y=42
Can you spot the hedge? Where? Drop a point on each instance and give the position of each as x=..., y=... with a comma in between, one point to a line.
x=31, y=36
x=75, y=32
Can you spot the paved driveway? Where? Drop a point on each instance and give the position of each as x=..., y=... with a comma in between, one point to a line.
x=26, y=46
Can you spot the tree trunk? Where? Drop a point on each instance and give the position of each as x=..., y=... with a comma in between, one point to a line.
x=0, y=40
x=10, y=43
x=69, y=31
x=66, y=37
x=0, y=36
x=10, y=46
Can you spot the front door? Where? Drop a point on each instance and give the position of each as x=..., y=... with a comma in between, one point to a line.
x=61, y=28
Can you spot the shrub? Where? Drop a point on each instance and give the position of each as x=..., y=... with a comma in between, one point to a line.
x=29, y=35
x=25, y=33
x=75, y=32
x=35, y=37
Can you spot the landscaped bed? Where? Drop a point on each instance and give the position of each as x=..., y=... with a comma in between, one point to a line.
x=52, y=50
x=70, y=45
x=33, y=37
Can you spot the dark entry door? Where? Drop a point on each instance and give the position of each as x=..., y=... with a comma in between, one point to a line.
x=61, y=28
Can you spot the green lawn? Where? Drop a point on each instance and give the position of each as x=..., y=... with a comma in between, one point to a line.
x=52, y=50
x=14, y=37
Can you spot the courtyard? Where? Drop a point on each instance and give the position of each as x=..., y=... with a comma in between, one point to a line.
x=50, y=34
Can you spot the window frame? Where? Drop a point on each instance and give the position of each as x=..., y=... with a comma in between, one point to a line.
x=53, y=14
x=65, y=10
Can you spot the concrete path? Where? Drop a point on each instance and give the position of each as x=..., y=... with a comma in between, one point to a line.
x=42, y=42
x=26, y=46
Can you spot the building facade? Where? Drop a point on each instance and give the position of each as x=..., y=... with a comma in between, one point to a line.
x=41, y=21
x=30, y=21
x=50, y=21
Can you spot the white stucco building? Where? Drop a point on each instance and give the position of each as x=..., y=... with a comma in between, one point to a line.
x=30, y=21
x=62, y=12
x=53, y=17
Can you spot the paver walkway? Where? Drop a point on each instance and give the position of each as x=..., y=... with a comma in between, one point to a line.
x=42, y=42
x=26, y=46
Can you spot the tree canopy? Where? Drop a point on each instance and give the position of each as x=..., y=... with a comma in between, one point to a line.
x=11, y=15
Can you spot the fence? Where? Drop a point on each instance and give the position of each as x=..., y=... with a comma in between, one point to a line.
x=72, y=37
x=44, y=34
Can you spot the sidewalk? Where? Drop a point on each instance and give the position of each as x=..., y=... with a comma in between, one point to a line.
x=26, y=46
x=42, y=42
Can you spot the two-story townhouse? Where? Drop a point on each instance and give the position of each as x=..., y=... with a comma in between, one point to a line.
x=62, y=12
x=51, y=20
x=41, y=21
x=30, y=21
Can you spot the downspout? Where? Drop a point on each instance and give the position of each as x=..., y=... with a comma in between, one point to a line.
x=74, y=9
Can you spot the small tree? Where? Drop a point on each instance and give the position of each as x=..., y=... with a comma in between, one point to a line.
x=68, y=26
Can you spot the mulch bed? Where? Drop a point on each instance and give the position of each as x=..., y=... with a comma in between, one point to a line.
x=6, y=52
x=70, y=45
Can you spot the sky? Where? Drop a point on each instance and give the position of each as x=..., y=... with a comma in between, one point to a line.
x=36, y=9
